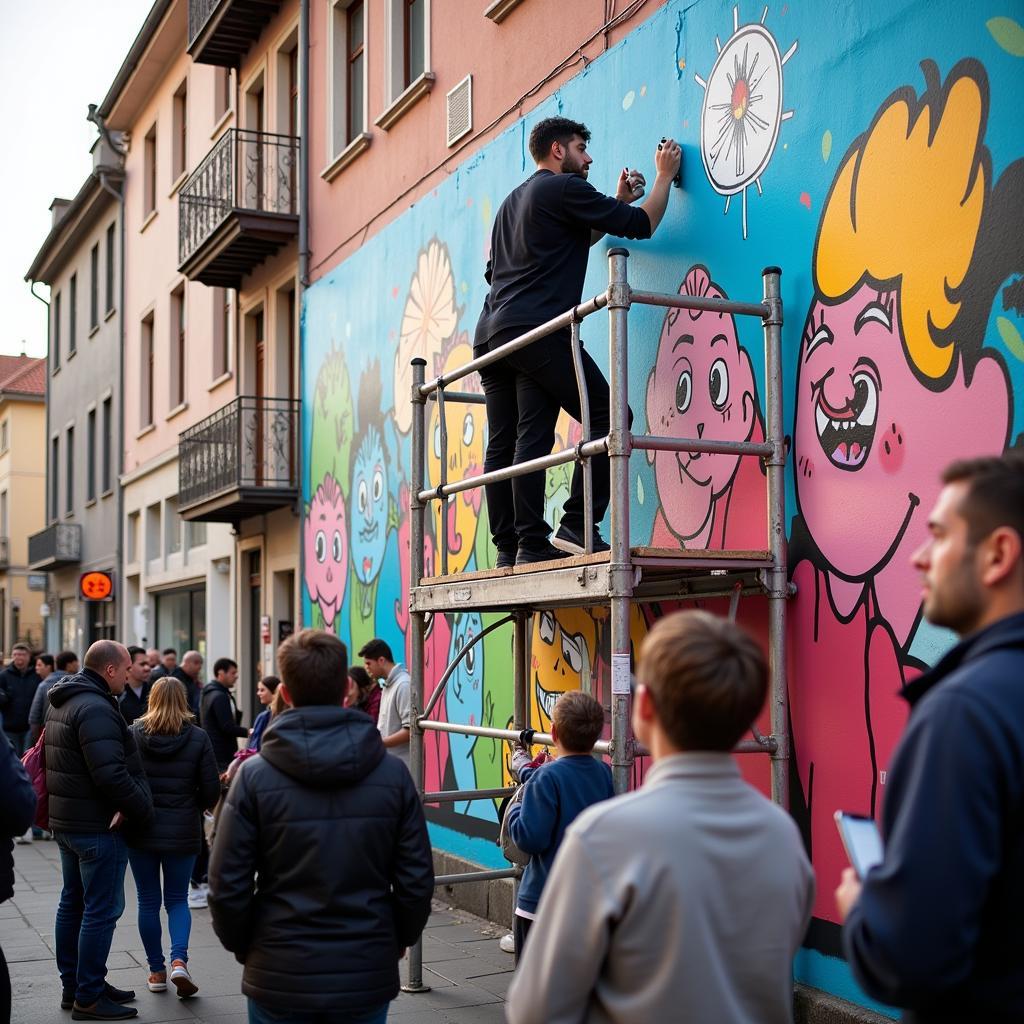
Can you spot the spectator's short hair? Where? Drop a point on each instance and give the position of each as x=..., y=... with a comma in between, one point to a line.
x=66, y=658
x=47, y=660
x=579, y=720
x=222, y=665
x=271, y=683
x=314, y=666
x=103, y=653
x=551, y=130
x=707, y=678
x=169, y=650
x=995, y=494
x=376, y=648
x=21, y=647
x=134, y=652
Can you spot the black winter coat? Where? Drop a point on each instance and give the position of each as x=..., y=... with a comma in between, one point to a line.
x=133, y=707
x=17, y=809
x=93, y=768
x=336, y=831
x=16, y=692
x=218, y=717
x=184, y=781
x=192, y=690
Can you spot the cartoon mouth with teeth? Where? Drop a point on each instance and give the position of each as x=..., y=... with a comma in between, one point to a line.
x=545, y=701
x=847, y=432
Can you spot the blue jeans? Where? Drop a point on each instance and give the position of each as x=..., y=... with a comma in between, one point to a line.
x=259, y=1014
x=91, y=902
x=176, y=867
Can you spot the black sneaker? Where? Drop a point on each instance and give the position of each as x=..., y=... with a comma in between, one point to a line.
x=543, y=552
x=115, y=995
x=103, y=1009
x=567, y=539
x=505, y=559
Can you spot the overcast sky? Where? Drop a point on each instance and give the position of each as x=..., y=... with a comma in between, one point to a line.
x=56, y=57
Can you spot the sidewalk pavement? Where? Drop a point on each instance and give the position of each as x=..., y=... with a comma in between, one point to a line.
x=468, y=974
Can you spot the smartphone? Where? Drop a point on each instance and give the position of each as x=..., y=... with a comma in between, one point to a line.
x=862, y=840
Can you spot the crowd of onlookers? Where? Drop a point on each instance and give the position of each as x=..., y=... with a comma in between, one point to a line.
x=684, y=900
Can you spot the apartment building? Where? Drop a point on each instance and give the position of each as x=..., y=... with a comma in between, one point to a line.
x=80, y=261
x=22, y=499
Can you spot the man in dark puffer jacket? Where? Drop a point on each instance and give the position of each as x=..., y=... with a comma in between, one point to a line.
x=337, y=831
x=93, y=773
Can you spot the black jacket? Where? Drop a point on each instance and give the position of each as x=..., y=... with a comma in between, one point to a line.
x=16, y=692
x=93, y=768
x=17, y=810
x=937, y=927
x=192, y=689
x=217, y=715
x=133, y=707
x=336, y=832
x=184, y=781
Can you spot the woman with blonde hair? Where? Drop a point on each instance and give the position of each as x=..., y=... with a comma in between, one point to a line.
x=182, y=773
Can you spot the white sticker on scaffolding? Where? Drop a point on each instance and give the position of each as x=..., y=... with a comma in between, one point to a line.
x=620, y=673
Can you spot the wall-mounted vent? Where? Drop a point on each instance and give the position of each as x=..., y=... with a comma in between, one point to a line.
x=460, y=110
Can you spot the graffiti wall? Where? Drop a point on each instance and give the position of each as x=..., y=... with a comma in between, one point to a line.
x=876, y=157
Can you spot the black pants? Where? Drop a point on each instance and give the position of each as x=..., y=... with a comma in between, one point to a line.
x=520, y=929
x=525, y=392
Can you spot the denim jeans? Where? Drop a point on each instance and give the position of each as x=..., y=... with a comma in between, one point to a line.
x=259, y=1014
x=91, y=902
x=146, y=867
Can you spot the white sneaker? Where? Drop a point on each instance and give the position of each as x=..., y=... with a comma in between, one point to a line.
x=508, y=943
x=182, y=980
x=196, y=901
x=26, y=838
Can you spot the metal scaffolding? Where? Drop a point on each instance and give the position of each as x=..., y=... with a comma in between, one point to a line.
x=616, y=578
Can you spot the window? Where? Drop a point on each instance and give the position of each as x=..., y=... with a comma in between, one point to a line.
x=94, y=287
x=179, y=153
x=90, y=457
x=414, y=32
x=106, y=465
x=146, y=376
x=5, y=437
x=172, y=527
x=132, y=537
x=149, y=172
x=110, y=268
x=348, y=73
x=408, y=57
x=4, y=524
x=69, y=483
x=222, y=93
x=181, y=619
x=54, y=471
x=221, y=332
x=56, y=331
x=177, y=335
x=72, y=315
x=196, y=535
x=152, y=532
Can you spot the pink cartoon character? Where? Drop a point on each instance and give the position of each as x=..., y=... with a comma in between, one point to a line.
x=702, y=386
x=326, y=549
x=893, y=383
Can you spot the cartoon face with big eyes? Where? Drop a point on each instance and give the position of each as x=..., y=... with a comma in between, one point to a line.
x=369, y=509
x=466, y=426
x=562, y=655
x=702, y=386
x=325, y=540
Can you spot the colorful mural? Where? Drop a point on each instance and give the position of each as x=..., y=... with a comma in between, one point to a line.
x=890, y=183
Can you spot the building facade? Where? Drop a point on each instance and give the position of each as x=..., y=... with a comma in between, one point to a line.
x=22, y=499
x=80, y=261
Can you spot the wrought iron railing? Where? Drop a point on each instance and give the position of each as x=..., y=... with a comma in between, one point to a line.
x=251, y=442
x=60, y=544
x=245, y=170
x=199, y=13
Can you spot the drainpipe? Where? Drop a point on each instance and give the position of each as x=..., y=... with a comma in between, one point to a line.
x=118, y=195
x=303, y=269
x=49, y=476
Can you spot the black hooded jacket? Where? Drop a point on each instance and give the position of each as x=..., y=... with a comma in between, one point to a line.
x=93, y=768
x=17, y=809
x=335, y=830
x=184, y=781
x=16, y=692
x=218, y=717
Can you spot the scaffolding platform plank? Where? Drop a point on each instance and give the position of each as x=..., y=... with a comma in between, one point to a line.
x=659, y=574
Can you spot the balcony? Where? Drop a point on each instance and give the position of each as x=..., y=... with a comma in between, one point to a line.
x=5, y=552
x=55, y=547
x=222, y=32
x=242, y=461
x=239, y=206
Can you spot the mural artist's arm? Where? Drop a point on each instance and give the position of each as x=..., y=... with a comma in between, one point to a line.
x=667, y=158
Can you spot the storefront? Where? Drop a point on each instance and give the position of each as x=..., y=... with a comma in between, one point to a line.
x=181, y=619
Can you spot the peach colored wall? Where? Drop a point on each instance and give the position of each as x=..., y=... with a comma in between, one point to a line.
x=385, y=180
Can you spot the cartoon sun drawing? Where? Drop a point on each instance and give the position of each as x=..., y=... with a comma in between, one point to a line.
x=742, y=110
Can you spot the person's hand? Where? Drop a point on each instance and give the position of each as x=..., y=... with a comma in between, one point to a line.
x=520, y=759
x=542, y=758
x=848, y=892
x=631, y=186
x=667, y=158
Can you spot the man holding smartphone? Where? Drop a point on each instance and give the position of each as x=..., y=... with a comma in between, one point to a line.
x=935, y=928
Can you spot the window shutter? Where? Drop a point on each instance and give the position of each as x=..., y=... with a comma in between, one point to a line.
x=460, y=110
